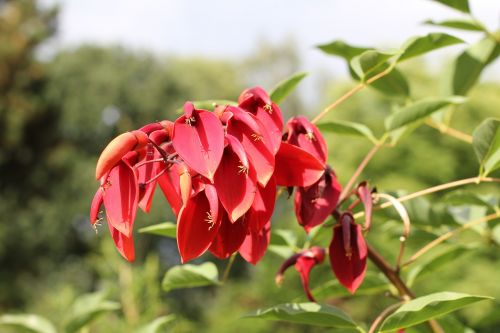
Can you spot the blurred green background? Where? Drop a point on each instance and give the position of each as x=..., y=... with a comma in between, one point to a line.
x=56, y=115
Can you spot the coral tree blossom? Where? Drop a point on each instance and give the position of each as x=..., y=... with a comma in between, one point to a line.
x=219, y=172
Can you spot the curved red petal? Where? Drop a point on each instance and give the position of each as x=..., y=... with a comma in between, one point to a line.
x=124, y=244
x=296, y=167
x=235, y=184
x=169, y=185
x=229, y=237
x=255, y=244
x=304, y=134
x=197, y=225
x=315, y=203
x=96, y=204
x=262, y=207
x=349, y=270
x=199, y=141
x=144, y=174
x=121, y=195
x=365, y=195
x=304, y=266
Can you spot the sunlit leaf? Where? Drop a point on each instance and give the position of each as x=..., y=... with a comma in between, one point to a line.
x=347, y=128
x=285, y=87
x=28, y=322
x=419, y=110
x=393, y=84
x=189, y=276
x=461, y=5
x=157, y=325
x=369, y=63
x=486, y=143
x=86, y=309
x=437, y=262
x=467, y=67
x=306, y=313
x=424, y=308
x=461, y=197
x=462, y=24
x=417, y=46
x=166, y=229
x=342, y=49
x=283, y=242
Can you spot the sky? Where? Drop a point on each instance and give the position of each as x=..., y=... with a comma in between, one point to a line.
x=232, y=29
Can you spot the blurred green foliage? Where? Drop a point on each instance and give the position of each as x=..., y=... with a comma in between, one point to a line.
x=56, y=116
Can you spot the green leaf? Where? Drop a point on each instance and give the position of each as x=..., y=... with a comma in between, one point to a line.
x=393, y=84
x=462, y=24
x=29, y=322
x=86, y=309
x=156, y=325
x=283, y=242
x=370, y=63
x=285, y=87
x=166, y=229
x=348, y=128
x=427, y=307
x=417, y=46
x=342, y=49
x=461, y=5
x=467, y=67
x=189, y=276
x=486, y=143
x=306, y=313
x=419, y=110
x=462, y=197
x=372, y=284
x=437, y=262
x=208, y=104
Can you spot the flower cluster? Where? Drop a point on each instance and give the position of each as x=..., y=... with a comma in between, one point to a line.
x=219, y=172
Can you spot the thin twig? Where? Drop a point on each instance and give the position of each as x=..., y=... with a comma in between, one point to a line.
x=351, y=92
x=473, y=180
x=450, y=234
x=382, y=316
x=450, y=131
x=228, y=268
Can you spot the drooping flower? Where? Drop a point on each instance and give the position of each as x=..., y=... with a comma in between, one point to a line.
x=348, y=252
x=255, y=244
x=304, y=261
x=365, y=195
x=302, y=133
x=315, y=203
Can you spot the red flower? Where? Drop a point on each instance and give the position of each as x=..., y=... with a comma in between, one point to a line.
x=304, y=262
x=315, y=203
x=348, y=252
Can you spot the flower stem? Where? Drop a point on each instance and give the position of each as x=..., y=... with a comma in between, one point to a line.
x=351, y=92
x=228, y=268
x=450, y=234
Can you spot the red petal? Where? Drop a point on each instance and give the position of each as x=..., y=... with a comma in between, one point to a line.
x=306, y=135
x=304, y=266
x=255, y=244
x=257, y=102
x=349, y=270
x=124, y=244
x=145, y=173
x=121, y=195
x=253, y=138
x=296, y=167
x=200, y=141
x=229, y=237
x=169, y=184
x=365, y=196
x=314, y=204
x=235, y=182
x=197, y=225
x=95, y=206
x=117, y=149
x=262, y=207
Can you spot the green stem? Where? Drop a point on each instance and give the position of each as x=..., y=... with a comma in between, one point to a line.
x=228, y=268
